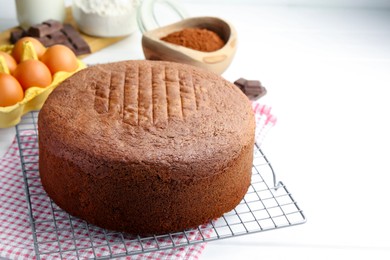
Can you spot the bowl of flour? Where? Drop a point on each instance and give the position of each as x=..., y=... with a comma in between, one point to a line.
x=106, y=18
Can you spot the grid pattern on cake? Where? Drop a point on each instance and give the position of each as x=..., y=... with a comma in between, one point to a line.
x=268, y=205
x=161, y=94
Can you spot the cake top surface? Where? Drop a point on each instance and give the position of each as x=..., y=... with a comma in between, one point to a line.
x=148, y=111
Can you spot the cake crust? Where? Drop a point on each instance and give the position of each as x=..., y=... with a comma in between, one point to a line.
x=146, y=147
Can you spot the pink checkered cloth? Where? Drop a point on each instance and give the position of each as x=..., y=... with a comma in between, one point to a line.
x=16, y=239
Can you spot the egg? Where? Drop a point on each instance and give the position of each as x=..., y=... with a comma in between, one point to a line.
x=11, y=91
x=60, y=58
x=33, y=73
x=9, y=60
x=17, y=51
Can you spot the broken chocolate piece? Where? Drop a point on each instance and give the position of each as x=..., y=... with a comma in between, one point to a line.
x=54, y=38
x=80, y=46
x=16, y=35
x=241, y=84
x=251, y=88
x=45, y=28
x=52, y=32
x=58, y=37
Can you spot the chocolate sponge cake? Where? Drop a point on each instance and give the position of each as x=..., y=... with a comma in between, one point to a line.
x=146, y=147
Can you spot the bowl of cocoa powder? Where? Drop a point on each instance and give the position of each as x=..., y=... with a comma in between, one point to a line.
x=206, y=42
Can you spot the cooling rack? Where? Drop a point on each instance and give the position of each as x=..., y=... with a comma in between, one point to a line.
x=58, y=235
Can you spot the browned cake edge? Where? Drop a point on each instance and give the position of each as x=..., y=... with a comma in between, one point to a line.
x=148, y=206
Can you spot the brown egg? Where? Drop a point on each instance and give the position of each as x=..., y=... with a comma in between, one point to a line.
x=10, y=90
x=9, y=60
x=33, y=73
x=60, y=58
x=17, y=51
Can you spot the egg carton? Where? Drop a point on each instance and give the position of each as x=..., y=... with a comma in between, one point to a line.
x=34, y=97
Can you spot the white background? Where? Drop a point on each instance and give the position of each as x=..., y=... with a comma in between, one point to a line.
x=326, y=66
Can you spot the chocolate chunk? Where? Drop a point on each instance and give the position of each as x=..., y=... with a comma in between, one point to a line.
x=45, y=28
x=16, y=35
x=251, y=88
x=58, y=37
x=53, y=32
x=240, y=83
x=55, y=38
x=80, y=46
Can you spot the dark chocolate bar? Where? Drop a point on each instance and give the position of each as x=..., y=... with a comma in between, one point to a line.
x=80, y=46
x=16, y=35
x=43, y=29
x=240, y=83
x=55, y=38
x=251, y=88
x=52, y=32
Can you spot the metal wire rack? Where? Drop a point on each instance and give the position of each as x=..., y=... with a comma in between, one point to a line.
x=57, y=234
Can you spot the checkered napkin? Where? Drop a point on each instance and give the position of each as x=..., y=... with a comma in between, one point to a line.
x=265, y=120
x=16, y=238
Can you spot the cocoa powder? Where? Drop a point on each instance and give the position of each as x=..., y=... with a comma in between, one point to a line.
x=196, y=38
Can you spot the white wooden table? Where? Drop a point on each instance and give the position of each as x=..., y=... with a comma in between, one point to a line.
x=327, y=72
